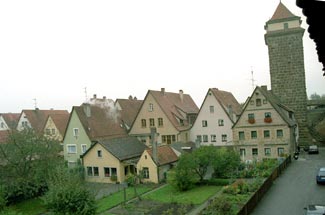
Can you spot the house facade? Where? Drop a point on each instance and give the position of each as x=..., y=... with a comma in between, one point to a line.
x=36, y=119
x=112, y=160
x=265, y=129
x=55, y=126
x=8, y=121
x=171, y=113
x=217, y=115
x=154, y=167
x=90, y=122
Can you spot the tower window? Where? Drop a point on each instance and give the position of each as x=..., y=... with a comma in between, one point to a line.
x=286, y=25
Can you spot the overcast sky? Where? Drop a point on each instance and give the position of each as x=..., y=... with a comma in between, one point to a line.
x=52, y=50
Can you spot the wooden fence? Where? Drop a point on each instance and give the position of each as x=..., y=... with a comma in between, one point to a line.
x=253, y=201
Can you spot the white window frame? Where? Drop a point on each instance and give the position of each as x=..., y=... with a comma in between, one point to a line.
x=76, y=132
x=213, y=138
x=221, y=122
x=83, y=148
x=224, y=138
x=71, y=145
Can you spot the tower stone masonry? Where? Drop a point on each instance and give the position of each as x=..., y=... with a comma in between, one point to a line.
x=287, y=70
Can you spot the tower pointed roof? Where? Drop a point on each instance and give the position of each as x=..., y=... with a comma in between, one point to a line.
x=282, y=12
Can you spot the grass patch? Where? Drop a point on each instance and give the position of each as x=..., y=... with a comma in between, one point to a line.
x=29, y=207
x=197, y=195
x=118, y=197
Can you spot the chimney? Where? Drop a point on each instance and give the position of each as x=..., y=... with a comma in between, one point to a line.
x=153, y=133
x=181, y=95
x=163, y=91
x=130, y=97
x=95, y=96
x=87, y=110
x=104, y=97
x=230, y=112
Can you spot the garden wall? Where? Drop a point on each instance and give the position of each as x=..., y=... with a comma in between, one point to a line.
x=254, y=200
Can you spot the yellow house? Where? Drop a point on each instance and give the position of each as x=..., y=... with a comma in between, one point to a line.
x=56, y=125
x=171, y=113
x=266, y=128
x=154, y=165
x=111, y=160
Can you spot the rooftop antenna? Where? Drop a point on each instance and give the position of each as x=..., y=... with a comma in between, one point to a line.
x=252, y=79
x=86, y=96
x=35, y=103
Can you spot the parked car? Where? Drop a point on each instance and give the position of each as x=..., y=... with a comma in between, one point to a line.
x=315, y=210
x=313, y=149
x=320, y=177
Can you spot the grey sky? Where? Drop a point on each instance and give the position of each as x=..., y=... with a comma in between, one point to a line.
x=52, y=50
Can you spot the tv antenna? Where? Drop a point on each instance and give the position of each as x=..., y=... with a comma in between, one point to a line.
x=86, y=96
x=252, y=79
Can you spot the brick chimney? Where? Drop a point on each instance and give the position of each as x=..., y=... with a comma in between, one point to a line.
x=162, y=91
x=181, y=95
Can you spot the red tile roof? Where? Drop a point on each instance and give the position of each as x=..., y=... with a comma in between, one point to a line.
x=60, y=121
x=175, y=105
x=104, y=121
x=166, y=155
x=282, y=12
x=37, y=117
x=130, y=109
x=11, y=119
x=227, y=100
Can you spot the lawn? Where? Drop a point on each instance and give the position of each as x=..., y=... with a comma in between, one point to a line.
x=117, y=198
x=29, y=207
x=197, y=195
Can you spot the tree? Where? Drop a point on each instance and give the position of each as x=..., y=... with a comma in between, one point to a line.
x=226, y=163
x=316, y=96
x=183, y=178
x=68, y=194
x=203, y=157
x=25, y=162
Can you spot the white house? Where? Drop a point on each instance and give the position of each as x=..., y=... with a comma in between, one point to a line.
x=217, y=115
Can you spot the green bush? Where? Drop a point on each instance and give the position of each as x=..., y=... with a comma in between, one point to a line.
x=219, y=205
x=68, y=194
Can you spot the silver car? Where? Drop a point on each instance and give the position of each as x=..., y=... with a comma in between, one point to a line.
x=315, y=210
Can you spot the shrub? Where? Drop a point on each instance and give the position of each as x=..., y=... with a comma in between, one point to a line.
x=68, y=194
x=219, y=205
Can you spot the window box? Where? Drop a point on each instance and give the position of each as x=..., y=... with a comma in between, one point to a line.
x=268, y=119
x=251, y=120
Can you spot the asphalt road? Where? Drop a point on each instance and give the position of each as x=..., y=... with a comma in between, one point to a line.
x=295, y=188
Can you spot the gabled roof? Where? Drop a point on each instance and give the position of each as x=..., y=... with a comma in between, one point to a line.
x=166, y=155
x=227, y=100
x=281, y=109
x=11, y=119
x=174, y=105
x=60, y=121
x=104, y=121
x=129, y=109
x=123, y=148
x=282, y=13
x=37, y=117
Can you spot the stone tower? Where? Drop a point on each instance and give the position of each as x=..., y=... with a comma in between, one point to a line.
x=286, y=58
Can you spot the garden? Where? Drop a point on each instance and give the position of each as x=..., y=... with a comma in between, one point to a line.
x=210, y=176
